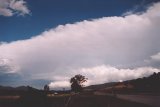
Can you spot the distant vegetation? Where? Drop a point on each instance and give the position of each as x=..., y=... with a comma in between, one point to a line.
x=148, y=84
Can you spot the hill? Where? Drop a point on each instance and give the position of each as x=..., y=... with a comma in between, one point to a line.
x=141, y=85
x=100, y=86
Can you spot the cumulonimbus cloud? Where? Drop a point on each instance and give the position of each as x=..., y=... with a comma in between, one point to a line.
x=7, y=66
x=125, y=41
x=11, y=7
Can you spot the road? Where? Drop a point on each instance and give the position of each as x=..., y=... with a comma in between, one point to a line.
x=151, y=100
x=145, y=99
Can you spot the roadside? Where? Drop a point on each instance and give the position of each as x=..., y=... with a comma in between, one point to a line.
x=151, y=100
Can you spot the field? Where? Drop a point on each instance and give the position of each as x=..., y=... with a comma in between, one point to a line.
x=78, y=100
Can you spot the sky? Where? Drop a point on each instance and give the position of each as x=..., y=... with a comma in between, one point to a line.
x=48, y=42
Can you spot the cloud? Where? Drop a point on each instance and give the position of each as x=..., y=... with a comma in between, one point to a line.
x=154, y=60
x=120, y=42
x=7, y=66
x=11, y=7
x=134, y=9
x=103, y=74
x=156, y=57
x=59, y=84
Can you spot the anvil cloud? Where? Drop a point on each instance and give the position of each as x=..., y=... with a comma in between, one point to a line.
x=117, y=47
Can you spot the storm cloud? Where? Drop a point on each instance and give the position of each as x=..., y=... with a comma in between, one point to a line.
x=119, y=46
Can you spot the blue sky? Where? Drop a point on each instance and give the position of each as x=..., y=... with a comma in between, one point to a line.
x=51, y=13
x=49, y=41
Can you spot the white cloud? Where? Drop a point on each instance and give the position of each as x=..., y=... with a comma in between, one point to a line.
x=103, y=74
x=5, y=12
x=59, y=84
x=105, y=41
x=11, y=7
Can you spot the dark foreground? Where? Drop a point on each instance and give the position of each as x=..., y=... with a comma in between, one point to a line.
x=67, y=101
x=152, y=100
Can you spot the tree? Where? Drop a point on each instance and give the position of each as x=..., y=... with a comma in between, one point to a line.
x=46, y=88
x=77, y=82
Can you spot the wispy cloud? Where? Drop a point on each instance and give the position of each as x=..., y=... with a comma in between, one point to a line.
x=11, y=7
x=136, y=9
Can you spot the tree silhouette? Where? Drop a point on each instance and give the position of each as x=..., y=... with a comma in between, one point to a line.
x=77, y=82
x=46, y=88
